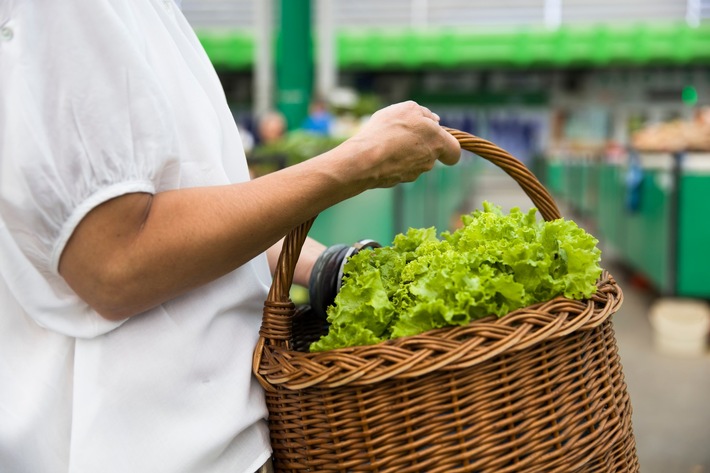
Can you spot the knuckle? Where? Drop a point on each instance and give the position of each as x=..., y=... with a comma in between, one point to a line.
x=411, y=105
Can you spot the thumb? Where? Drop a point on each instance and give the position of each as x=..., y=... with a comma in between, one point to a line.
x=452, y=148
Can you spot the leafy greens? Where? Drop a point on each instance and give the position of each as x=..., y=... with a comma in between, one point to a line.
x=493, y=264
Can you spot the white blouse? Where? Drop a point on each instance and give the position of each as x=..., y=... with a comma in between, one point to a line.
x=98, y=99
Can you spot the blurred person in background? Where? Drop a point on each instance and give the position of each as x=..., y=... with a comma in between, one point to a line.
x=319, y=119
x=272, y=127
x=135, y=252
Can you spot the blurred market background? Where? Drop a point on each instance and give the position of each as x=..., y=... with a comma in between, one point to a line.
x=607, y=101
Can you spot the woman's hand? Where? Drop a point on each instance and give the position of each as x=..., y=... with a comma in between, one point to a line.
x=402, y=141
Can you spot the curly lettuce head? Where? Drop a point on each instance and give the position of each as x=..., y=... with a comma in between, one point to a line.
x=494, y=264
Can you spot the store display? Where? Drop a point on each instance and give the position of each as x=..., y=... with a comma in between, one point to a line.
x=677, y=135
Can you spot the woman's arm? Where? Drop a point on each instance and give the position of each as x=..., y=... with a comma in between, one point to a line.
x=138, y=250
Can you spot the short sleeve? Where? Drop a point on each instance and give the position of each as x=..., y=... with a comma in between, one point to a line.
x=83, y=119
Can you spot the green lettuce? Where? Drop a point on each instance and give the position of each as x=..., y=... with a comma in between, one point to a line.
x=493, y=264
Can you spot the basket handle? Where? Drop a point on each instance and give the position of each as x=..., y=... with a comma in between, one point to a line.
x=278, y=308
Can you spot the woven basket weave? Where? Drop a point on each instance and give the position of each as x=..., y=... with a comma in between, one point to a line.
x=539, y=390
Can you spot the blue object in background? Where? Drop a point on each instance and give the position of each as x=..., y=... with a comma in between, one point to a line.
x=634, y=180
x=319, y=122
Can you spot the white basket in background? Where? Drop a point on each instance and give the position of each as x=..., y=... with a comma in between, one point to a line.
x=681, y=326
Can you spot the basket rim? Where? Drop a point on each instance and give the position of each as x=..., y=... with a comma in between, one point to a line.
x=447, y=348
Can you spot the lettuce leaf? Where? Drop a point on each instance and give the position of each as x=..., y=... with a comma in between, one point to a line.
x=494, y=264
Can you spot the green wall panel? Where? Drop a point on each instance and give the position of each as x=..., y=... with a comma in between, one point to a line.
x=694, y=236
x=610, y=210
x=553, y=177
x=656, y=226
x=369, y=215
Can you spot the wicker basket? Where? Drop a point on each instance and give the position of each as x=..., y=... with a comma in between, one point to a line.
x=539, y=390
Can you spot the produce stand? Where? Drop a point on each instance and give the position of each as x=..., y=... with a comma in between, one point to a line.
x=610, y=213
x=649, y=226
x=658, y=225
x=575, y=181
x=554, y=178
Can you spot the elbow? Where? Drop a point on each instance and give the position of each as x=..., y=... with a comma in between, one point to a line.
x=106, y=263
x=112, y=294
x=114, y=313
x=120, y=299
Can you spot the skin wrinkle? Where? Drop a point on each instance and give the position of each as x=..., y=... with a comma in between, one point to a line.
x=146, y=213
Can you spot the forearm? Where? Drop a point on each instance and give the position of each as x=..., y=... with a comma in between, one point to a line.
x=175, y=241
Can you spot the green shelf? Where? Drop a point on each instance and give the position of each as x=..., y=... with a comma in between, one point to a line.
x=447, y=48
x=228, y=49
x=567, y=46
